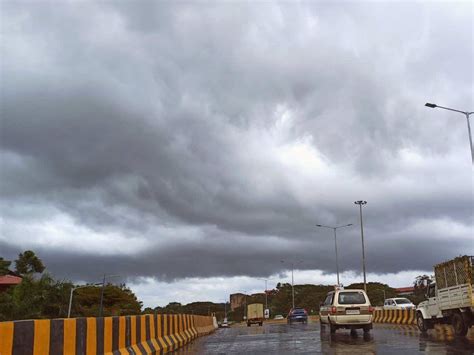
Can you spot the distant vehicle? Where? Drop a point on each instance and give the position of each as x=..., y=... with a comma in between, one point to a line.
x=348, y=309
x=255, y=314
x=224, y=323
x=279, y=316
x=398, y=303
x=297, y=315
x=451, y=298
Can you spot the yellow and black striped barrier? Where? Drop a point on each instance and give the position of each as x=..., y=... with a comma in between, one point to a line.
x=397, y=316
x=144, y=334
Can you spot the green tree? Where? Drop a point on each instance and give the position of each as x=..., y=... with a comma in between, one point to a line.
x=41, y=296
x=4, y=266
x=376, y=292
x=119, y=300
x=420, y=284
x=28, y=263
x=35, y=298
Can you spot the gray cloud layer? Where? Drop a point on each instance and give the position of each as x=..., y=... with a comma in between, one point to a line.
x=176, y=140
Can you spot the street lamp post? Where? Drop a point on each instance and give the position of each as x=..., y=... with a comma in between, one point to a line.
x=335, y=245
x=361, y=203
x=70, y=301
x=70, y=296
x=467, y=114
x=292, y=281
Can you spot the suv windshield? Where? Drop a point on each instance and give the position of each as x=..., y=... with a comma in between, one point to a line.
x=402, y=301
x=351, y=298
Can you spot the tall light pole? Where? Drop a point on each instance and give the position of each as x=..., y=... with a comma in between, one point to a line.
x=361, y=203
x=467, y=114
x=292, y=280
x=335, y=244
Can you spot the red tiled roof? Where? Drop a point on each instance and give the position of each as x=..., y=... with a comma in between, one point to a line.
x=9, y=280
x=405, y=289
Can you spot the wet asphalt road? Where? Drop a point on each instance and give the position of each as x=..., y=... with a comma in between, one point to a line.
x=309, y=339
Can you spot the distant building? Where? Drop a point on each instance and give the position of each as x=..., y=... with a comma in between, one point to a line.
x=405, y=291
x=237, y=300
x=9, y=280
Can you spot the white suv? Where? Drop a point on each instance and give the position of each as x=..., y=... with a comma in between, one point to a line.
x=348, y=309
x=398, y=303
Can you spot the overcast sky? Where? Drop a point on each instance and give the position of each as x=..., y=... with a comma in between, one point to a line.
x=191, y=146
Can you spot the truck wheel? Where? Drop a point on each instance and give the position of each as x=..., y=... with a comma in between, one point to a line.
x=367, y=329
x=332, y=328
x=460, y=327
x=421, y=323
x=248, y=324
x=260, y=324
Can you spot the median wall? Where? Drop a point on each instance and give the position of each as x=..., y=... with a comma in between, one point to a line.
x=144, y=334
x=396, y=316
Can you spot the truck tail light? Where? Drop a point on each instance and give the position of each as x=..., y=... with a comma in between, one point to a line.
x=371, y=309
x=333, y=310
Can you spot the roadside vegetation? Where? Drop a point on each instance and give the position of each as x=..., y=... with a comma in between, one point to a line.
x=39, y=295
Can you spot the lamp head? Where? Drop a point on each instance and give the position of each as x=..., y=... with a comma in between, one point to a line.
x=430, y=105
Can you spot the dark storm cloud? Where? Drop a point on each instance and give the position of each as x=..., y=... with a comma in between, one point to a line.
x=209, y=140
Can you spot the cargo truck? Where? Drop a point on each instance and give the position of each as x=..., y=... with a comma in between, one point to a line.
x=255, y=314
x=449, y=300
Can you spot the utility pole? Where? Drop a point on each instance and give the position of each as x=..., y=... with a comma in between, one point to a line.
x=245, y=309
x=266, y=296
x=335, y=245
x=361, y=203
x=101, y=307
x=102, y=297
x=292, y=285
x=292, y=280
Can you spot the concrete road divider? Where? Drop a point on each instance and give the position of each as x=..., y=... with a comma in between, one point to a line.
x=396, y=316
x=144, y=334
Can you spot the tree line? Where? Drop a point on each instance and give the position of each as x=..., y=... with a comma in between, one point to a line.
x=40, y=296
